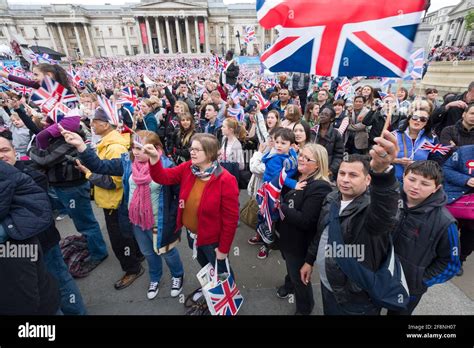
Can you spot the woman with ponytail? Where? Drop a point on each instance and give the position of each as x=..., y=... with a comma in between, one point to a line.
x=151, y=208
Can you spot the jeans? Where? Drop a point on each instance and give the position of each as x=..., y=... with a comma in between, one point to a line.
x=78, y=204
x=55, y=202
x=332, y=307
x=71, y=299
x=303, y=293
x=145, y=242
x=207, y=254
x=124, y=247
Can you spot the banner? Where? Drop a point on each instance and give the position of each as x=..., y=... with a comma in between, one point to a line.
x=201, y=33
x=144, y=35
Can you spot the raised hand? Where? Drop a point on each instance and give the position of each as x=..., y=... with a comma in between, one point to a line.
x=384, y=152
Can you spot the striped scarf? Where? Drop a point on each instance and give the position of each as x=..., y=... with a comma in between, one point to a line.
x=205, y=174
x=141, y=210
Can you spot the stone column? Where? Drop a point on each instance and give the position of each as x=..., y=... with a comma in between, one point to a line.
x=272, y=36
x=206, y=34
x=7, y=33
x=88, y=39
x=78, y=38
x=158, y=34
x=50, y=33
x=227, y=36
x=139, y=36
x=262, y=39
x=188, y=43
x=127, y=37
x=63, y=40
x=148, y=31
x=178, y=34
x=218, y=38
x=168, y=36
x=196, y=31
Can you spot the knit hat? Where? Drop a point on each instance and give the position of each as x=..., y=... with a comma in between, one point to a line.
x=100, y=115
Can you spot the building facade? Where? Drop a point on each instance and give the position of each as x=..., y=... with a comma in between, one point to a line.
x=449, y=25
x=151, y=26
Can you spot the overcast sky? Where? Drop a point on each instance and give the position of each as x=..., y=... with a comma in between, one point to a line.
x=435, y=4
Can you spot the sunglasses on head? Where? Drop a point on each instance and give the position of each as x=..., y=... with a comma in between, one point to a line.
x=419, y=118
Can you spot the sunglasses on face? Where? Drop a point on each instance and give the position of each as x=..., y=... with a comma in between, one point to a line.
x=419, y=118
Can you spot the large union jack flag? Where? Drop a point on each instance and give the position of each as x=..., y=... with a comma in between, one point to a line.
x=128, y=97
x=54, y=99
x=225, y=298
x=341, y=38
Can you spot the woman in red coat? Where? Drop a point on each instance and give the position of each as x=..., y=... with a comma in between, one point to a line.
x=208, y=199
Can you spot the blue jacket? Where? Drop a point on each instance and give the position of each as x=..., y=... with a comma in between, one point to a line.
x=456, y=173
x=411, y=151
x=149, y=123
x=274, y=164
x=168, y=201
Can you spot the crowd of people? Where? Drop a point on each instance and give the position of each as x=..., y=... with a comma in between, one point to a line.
x=451, y=53
x=187, y=135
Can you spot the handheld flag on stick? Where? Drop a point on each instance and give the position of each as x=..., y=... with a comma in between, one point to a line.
x=438, y=148
x=110, y=109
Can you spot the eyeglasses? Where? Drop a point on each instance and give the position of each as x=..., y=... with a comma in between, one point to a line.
x=193, y=149
x=419, y=118
x=305, y=159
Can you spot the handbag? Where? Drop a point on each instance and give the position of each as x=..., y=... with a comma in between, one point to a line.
x=221, y=293
x=387, y=286
x=463, y=208
x=248, y=214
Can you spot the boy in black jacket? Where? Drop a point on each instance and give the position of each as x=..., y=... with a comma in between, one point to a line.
x=426, y=237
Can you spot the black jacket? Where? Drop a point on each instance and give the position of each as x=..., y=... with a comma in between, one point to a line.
x=377, y=121
x=301, y=209
x=367, y=220
x=334, y=144
x=424, y=241
x=231, y=73
x=26, y=287
x=443, y=118
x=50, y=237
x=458, y=134
x=60, y=171
x=178, y=150
x=25, y=210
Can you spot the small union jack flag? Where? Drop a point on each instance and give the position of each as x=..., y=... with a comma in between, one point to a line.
x=415, y=66
x=440, y=148
x=128, y=97
x=76, y=78
x=344, y=88
x=225, y=298
x=23, y=90
x=262, y=101
x=110, y=109
x=268, y=197
x=249, y=34
x=54, y=99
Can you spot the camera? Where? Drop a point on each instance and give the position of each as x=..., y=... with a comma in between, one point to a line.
x=378, y=103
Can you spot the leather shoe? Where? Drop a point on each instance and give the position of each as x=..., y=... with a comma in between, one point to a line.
x=128, y=279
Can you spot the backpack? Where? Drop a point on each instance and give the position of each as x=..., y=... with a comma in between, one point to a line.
x=387, y=287
x=75, y=252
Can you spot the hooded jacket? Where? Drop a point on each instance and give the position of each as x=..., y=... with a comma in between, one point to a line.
x=426, y=242
x=113, y=145
x=457, y=173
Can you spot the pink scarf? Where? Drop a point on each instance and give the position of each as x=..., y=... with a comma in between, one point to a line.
x=141, y=210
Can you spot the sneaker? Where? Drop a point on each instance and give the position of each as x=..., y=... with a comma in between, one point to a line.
x=152, y=290
x=265, y=233
x=176, y=286
x=263, y=252
x=256, y=240
x=283, y=292
x=61, y=217
x=128, y=279
x=197, y=295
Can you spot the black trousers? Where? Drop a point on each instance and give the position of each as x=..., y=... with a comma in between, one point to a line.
x=303, y=293
x=467, y=237
x=414, y=300
x=125, y=248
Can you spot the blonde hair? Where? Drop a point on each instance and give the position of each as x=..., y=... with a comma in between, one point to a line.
x=293, y=114
x=321, y=156
x=237, y=128
x=424, y=105
x=183, y=105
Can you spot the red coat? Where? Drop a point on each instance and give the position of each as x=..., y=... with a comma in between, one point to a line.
x=218, y=212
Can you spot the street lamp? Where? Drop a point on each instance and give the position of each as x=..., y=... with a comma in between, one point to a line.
x=238, y=38
x=222, y=43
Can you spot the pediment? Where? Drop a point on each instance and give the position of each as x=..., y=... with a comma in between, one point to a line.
x=169, y=5
x=462, y=6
